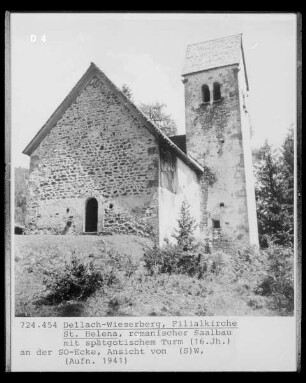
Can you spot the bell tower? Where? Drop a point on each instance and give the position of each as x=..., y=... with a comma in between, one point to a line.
x=218, y=136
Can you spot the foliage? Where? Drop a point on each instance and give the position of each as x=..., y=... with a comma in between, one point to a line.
x=156, y=113
x=76, y=280
x=186, y=227
x=279, y=278
x=248, y=267
x=127, y=91
x=21, y=180
x=187, y=256
x=218, y=263
x=275, y=193
x=173, y=259
x=243, y=282
x=256, y=274
x=265, y=273
x=120, y=263
x=287, y=182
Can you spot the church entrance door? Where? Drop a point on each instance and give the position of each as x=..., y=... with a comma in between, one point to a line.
x=91, y=216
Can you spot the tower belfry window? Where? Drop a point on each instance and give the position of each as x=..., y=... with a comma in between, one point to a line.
x=205, y=93
x=217, y=91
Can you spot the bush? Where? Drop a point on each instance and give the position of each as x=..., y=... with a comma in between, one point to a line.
x=265, y=273
x=76, y=280
x=279, y=279
x=186, y=257
x=120, y=263
x=217, y=263
x=174, y=259
x=249, y=267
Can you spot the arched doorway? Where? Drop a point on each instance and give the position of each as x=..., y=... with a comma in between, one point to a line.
x=91, y=216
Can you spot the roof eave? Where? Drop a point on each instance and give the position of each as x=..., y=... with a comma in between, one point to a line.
x=92, y=71
x=70, y=98
x=207, y=69
x=244, y=67
x=158, y=133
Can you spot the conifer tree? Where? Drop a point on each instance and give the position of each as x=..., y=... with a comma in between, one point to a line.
x=186, y=227
x=275, y=193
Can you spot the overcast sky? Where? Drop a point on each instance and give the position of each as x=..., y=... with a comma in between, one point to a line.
x=50, y=52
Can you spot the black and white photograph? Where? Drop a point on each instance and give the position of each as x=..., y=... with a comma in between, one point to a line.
x=153, y=165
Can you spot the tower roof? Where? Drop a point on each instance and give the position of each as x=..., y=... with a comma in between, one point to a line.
x=214, y=53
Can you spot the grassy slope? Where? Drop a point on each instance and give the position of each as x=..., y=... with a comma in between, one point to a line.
x=139, y=295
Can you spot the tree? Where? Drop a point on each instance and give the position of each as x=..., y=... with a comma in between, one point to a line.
x=275, y=193
x=21, y=184
x=156, y=113
x=287, y=184
x=127, y=91
x=267, y=195
x=186, y=227
x=287, y=169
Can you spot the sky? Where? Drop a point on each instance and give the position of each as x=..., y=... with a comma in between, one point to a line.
x=51, y=51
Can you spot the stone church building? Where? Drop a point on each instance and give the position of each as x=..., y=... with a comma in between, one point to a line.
x=100, y=166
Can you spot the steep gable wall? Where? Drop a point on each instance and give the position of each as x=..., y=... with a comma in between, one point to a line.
x=97, y=149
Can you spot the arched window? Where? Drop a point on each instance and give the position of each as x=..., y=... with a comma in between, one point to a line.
x=205, y=93
x=217, y=91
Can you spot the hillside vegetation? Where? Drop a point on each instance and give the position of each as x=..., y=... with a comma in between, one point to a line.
x=53, y=277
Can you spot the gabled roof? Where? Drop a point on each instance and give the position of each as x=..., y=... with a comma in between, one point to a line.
x=180, y=141
x=213, y=54
x=91, y=72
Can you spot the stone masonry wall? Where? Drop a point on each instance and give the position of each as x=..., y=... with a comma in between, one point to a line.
x=97, y=149
x=214, y=139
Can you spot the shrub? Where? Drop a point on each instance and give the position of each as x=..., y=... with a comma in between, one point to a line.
x=174, y=259
x=279, y=279
x=157, y=260
x=249, y=267
x=256, y=301
x=76, y=280
x=186, y=227
x=186, y=257
x=217, y=263
x=265, y=273
x=121, y=263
